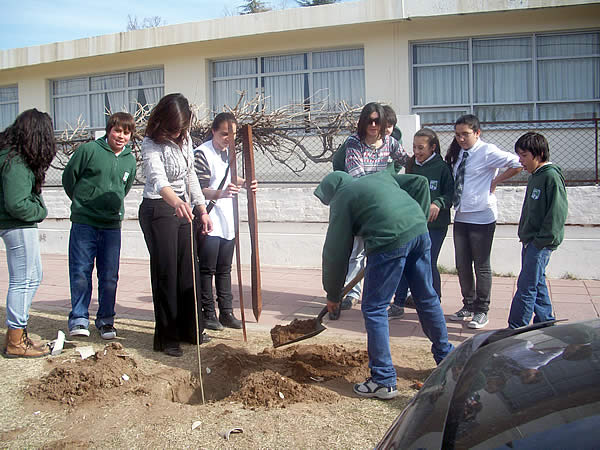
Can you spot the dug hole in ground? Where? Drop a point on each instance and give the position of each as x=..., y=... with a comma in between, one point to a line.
x=128, y=396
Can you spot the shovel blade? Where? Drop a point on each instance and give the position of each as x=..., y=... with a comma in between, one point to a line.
x=319, y=329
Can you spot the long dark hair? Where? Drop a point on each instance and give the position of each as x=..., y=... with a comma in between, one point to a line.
x=364, y=120
x=432, y=140
x=454, y=150
x=32, y=137
x=171, y=115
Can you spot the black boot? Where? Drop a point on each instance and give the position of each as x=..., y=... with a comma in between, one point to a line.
x=211, y=322
x=228, y=320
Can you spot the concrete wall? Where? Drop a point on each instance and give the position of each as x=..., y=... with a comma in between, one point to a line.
x=293, y=224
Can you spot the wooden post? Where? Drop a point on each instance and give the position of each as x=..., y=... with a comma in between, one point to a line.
x=248, y=153
x=236, y=219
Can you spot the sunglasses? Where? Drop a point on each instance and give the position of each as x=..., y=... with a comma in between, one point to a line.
x=375, y=122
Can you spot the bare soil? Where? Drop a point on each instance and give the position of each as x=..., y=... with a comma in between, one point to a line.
x=127, y=396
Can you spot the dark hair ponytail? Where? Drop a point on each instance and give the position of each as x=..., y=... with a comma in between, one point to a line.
x=453, y=152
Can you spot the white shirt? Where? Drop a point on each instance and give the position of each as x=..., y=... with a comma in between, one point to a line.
x=222, y=213
x=477, y=204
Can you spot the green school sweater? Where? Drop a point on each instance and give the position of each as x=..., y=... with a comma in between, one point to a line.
x=97, y=181
x=545, y=208
x=373, y=207
x=441, y=187
x=20, y=206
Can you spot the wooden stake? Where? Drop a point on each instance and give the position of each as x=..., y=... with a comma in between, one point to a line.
x=248, y=152
x=236, y=219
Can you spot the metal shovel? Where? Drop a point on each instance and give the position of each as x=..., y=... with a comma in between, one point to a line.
x=317, y=322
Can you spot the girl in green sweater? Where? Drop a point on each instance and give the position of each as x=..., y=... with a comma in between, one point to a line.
x=427, y=161
x=27, y=149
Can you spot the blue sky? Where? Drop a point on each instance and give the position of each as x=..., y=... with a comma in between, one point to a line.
x=34, y=22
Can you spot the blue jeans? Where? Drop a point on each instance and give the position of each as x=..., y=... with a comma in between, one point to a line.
x=356, y=262
x=382, y=273
x=86, y=244
x=532, y=293
x=24, y=273
x=437, y=239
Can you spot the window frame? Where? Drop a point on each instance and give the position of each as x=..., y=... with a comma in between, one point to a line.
x=10, y=102
x=260, y=76
x=471, y=106
x=89, y=92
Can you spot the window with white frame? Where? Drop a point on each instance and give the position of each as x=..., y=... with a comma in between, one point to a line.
x=93, y=98
x=532, y=77
x=300, y=79
x=9, y=105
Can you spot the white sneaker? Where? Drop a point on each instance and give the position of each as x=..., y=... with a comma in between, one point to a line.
x=79, y=330
x=480, y=320
x=371, y=389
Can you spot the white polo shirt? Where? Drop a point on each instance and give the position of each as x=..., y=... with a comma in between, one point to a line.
x=477, y=204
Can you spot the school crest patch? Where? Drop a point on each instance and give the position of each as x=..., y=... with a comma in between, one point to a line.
x=433, y=185
x=535, y=194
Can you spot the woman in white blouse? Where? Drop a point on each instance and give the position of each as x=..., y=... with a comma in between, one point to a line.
x=172, y=198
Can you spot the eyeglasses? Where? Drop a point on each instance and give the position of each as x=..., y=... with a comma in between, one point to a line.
x=375, y=122
x=463, y=135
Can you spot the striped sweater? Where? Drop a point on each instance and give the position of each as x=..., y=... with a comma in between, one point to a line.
x=362, y=159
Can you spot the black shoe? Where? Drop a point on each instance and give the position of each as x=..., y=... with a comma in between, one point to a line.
x=173, y=349
x=108, y=332
x=348, y=303
x=212, y=323
x=336, y=314
x=228, y=320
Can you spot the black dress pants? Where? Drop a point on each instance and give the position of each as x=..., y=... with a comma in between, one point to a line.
x=215, y=255
x=169, y=243
x=472, y=250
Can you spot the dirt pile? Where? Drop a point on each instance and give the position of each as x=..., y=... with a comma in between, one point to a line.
x=271, y=378
x=108, y=373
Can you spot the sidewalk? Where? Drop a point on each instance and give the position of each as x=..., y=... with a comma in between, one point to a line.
x=297, y=293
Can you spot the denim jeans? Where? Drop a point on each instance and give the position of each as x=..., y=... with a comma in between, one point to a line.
x=24, y=273
x=356, y=262
x=532, y=296
x=472, y=248
x=437, y=239
x=215, y=255
x=382, y=273
x=86, y=244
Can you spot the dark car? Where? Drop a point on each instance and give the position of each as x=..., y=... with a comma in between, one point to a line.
x=533, y=387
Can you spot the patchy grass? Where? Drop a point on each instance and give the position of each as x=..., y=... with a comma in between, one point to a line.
x=448, y=271
x=569, y=276
x=148, y=420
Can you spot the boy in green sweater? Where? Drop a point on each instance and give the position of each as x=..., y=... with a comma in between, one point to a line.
x=97, y=178
x=541, y=230
x=394, y=230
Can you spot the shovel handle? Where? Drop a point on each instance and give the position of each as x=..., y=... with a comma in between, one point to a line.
x=353, y=282
x=359, y=276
